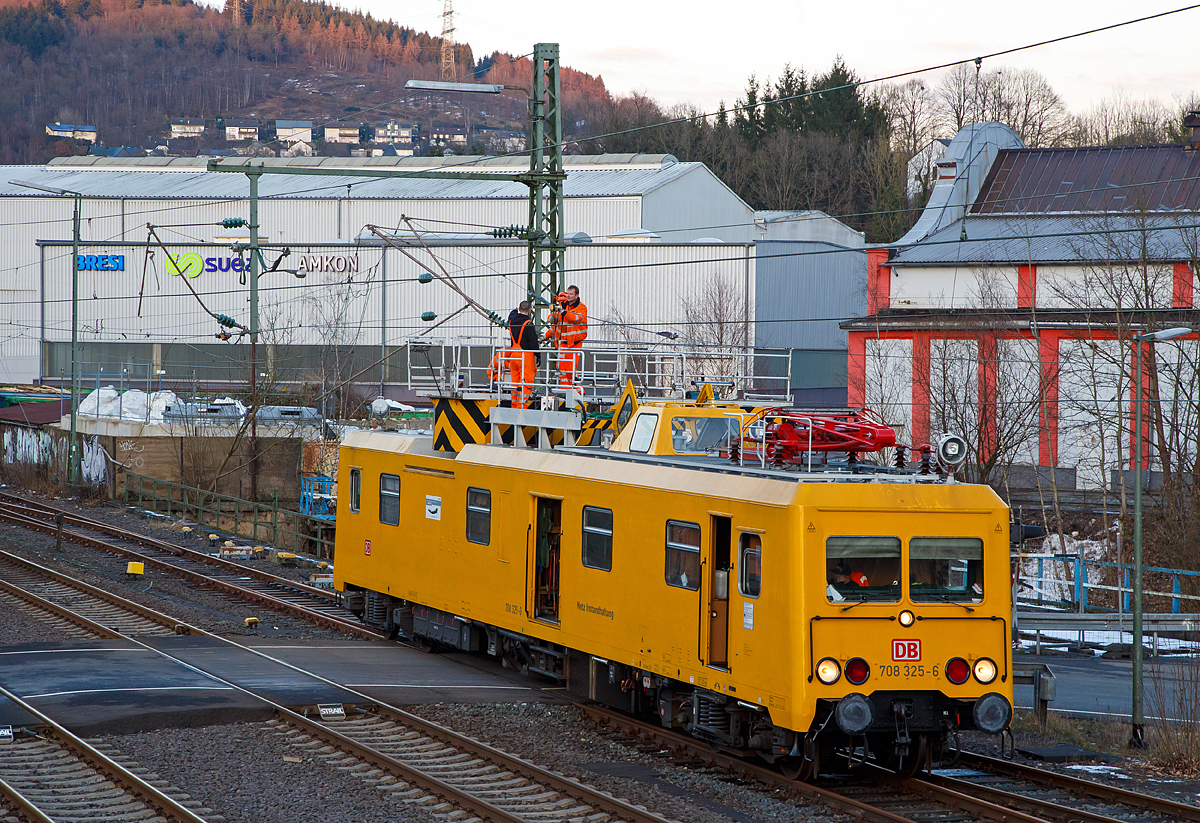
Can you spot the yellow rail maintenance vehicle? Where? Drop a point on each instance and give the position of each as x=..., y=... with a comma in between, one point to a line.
x=739, y=573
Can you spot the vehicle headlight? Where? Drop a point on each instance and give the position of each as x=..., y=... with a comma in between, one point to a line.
x=828, y=671
x=985, y=670
x=907, y=618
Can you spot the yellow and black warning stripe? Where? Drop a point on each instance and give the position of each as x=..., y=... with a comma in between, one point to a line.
x=592, y=427
x=458, y=423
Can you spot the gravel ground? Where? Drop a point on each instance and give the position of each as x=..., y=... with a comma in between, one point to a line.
x=160, y=590
x=240, y=773
x=559, y=738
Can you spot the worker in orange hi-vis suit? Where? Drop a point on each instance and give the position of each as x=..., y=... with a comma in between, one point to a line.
x=521, y=357
x=568, y=330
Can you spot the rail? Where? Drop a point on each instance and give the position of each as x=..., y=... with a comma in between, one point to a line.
x=268, y=523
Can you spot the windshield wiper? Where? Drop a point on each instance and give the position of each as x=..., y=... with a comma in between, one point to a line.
x=852, y=605
x=945, y=598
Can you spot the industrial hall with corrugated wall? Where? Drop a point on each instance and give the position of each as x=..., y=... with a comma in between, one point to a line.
x=646, y=234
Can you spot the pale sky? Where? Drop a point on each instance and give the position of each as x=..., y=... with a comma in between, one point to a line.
x=702, y=52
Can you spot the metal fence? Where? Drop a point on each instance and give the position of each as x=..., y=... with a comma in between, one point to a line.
x=1077, y=590
x=259, y=522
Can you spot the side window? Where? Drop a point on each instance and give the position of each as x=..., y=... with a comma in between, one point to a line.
x=479, y=515
x=389, y=499
x=751, y=564
x=683, y=555
x=643, y=433
x=355, y=489
x=597, y=538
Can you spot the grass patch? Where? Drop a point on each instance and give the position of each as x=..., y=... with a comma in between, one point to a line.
x=1108, y=735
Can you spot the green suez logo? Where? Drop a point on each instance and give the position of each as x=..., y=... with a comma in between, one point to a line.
x=192, y=264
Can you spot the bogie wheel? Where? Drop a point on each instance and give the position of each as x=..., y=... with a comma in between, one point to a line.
x=907, y=765
x=797, y=768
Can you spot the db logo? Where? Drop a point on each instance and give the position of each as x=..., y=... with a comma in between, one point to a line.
x=367, y=548
x=906, y=650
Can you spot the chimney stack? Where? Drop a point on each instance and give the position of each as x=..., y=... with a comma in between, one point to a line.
x=1192, y=121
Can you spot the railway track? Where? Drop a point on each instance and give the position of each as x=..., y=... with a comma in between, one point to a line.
x=320, y=606
x=414, y=759
x=983, y=789
x=56, y=776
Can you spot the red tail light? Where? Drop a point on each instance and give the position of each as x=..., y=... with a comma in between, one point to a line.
x=857, y=670
x=958, y=670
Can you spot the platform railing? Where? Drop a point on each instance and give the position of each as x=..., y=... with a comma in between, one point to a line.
x=602, y=368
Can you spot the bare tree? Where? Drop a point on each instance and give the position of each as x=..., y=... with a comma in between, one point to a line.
x=1020, y=98
x=717, y=326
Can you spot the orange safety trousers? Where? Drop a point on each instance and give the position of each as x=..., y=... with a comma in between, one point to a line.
x=521, y=370
x=570, y=362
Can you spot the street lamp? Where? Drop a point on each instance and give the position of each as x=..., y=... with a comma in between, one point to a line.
x=72, y=453
x=1138, y=738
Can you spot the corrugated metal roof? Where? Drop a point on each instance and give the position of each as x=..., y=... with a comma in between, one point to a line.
x=1091, y=179
x=168, y=177
x=1041, y=239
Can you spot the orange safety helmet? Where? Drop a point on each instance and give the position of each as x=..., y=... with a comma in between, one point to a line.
x=860, y=579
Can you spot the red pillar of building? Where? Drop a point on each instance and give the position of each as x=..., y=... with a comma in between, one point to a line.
x=1048, y=411
x=1026, y=287
x=920, y=389
x=856, y=368
x=879, y=281
x=1144, y=441
x=1182, y=288
x=988, y=397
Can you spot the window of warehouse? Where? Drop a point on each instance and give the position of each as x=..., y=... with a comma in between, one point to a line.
x=751, y=576
x=683, y=555
x=945, y=568
x=389, y=499
x=865, y=567
x=597, y=538
x=355, y=489
x=479, y=515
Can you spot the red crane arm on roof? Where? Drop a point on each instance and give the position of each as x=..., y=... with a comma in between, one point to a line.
x=796, y=433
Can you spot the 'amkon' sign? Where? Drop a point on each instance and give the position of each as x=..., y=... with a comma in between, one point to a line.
x=341, y=263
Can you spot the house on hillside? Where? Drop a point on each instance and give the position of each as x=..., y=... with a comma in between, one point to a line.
x=448, y=137
x=72, y=131
x=299, y=148
x=292, y=131
x=240, y=128
x=342, y=133
x=182, y=127
x=394, y=131
x=1008, y=313
x=116, y=151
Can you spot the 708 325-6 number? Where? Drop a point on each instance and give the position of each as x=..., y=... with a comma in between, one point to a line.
x=906, y=670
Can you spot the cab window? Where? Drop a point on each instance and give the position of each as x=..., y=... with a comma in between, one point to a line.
x=389, y=499
x=862, y=567
x=597, y=538
x=355, y=490
x=683, y=555
x=945, y=568
x=479, y=516
x=643, y=432
x=690, y=435
x=750, y=549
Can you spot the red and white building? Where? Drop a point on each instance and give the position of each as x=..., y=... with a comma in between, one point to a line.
x=1008, y=313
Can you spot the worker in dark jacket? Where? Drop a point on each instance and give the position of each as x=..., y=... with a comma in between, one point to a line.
x=521, y=354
